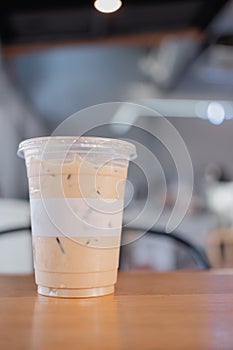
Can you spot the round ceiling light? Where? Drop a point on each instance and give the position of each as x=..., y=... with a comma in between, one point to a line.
x=107, y=6
x=215, y=113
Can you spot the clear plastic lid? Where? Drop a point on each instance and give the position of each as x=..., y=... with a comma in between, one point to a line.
x=76, y=144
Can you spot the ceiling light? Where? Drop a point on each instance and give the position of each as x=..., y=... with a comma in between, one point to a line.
x=215, y=113
x=107, y=6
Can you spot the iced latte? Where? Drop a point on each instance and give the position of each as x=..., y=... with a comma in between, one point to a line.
x=76, y=190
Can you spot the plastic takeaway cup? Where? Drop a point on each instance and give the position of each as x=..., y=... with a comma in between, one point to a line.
x=76, y=187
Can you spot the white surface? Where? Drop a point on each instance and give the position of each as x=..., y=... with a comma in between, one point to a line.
x=16, y=253
x=15, y=248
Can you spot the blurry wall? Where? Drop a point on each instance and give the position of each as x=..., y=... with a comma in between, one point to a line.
x=38, y=91
x=58, y=82
x=207, y=143
x=62, y=81
x=17, y=122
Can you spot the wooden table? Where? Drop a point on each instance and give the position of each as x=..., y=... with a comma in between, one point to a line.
x=177, y=310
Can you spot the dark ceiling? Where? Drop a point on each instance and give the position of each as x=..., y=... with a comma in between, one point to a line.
x=42, y=21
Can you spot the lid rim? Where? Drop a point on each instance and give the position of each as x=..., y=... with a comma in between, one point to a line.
x=82, y=142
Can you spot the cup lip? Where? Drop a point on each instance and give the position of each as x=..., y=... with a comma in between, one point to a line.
x=123, y=148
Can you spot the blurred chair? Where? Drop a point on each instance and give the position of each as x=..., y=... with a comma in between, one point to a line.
x=155, y=250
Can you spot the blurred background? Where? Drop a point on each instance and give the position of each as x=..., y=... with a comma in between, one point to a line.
x=175, y=55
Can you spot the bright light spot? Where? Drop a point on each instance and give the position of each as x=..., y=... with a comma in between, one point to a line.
x=107, y=6
x=215, y=113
